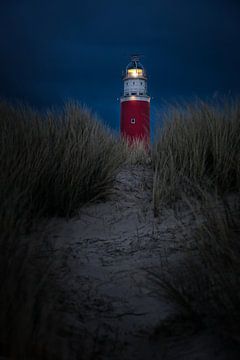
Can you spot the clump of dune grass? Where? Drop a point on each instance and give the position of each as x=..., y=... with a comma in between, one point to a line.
x=27, y=299
x=199, y=144
x=196, y=160
x=205, y=285
x=136, y=152
x=50, y=165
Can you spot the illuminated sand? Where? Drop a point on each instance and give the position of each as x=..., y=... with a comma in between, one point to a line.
x=108, y=307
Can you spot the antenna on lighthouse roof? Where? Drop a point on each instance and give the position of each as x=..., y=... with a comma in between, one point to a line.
x=136, y=57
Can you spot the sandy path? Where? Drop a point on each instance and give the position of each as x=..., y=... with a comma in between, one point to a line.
x=106, y=308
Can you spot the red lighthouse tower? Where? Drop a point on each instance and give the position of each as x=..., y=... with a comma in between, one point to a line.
x=135, y=103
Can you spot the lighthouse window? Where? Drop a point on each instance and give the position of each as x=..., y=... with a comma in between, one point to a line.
x=133, y=82
x=133, y=121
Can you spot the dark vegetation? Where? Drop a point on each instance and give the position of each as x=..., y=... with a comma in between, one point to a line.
x=50, y=164
x=197, y=161
x=199, y=146
x=53, y=163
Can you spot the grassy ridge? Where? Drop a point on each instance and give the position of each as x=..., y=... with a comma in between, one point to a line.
x=51, y=164
x=198, y=145
x=197, y=160
x=205, y=286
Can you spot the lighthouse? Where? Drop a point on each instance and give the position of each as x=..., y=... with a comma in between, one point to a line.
x=135, y=103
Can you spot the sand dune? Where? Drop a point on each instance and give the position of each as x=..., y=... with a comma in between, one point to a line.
x=105, y=304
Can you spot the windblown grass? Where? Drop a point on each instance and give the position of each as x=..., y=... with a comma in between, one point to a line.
x=205, y=287
x=196, y=160
x=136, y=152
x=199, y=145
x=50, y=165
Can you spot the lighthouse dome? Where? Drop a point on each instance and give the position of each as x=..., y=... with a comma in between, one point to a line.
x=135, y=69
x=134, y=64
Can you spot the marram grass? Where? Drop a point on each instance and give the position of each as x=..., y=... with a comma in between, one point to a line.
x=205, y=286
x=199, y=145
x=51, y=164
x=196, y=159
x=136, y=152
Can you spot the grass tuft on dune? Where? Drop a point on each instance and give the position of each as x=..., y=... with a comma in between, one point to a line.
x=196, y=160
x=136, y=152
x=199, y=145
x=205, y=285
x=52, y=163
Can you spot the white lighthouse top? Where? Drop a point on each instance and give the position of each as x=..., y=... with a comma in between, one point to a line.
x=135, y=80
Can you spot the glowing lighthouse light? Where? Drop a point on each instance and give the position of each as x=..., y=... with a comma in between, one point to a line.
x=135, y=72
x=135, y=103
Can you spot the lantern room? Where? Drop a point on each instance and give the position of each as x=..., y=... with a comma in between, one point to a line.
x=135, y=69
x=135, y=78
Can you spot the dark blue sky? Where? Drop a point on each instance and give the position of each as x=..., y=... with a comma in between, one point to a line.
x=54, y=50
